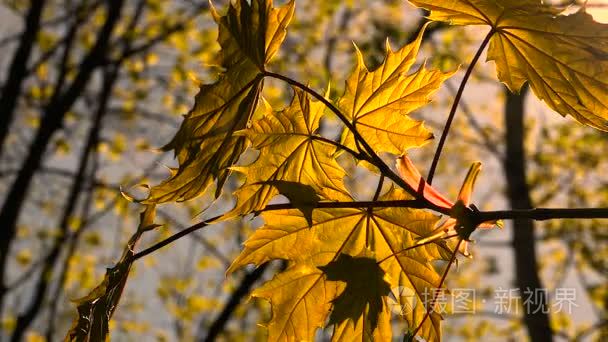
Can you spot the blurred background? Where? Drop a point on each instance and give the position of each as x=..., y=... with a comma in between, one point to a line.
x=90, y=89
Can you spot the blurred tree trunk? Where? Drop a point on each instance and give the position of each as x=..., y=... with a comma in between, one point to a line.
x=219, y=324
x=518, y=192
x=18, y=69
x=52, y=120
x=25, y=319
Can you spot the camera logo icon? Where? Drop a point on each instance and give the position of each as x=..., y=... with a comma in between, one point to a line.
x=402, y=300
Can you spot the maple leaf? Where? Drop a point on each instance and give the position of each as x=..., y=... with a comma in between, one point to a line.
x=291, y=152
x=300, y=302
x=378, y=102
x=563, y=57
x=249, y=35
x=383, y=234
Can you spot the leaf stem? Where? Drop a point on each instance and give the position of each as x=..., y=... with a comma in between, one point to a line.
x=319, y=97
x=339, y=146
x=379, y=188
x=457, y=98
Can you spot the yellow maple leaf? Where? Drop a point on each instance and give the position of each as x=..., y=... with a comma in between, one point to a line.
x=381, y=235
x=378, y=102
x=300, y=302
x=291, y=153
x=250, y=35
x=563, y=57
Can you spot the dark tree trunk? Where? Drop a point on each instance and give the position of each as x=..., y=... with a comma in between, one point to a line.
x=18, y=69
x=52, y=120
x=31, y=312
x=524, y=246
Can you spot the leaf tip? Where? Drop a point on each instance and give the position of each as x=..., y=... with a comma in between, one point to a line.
x=132, y=198
x=216, y=16
x=360, y=59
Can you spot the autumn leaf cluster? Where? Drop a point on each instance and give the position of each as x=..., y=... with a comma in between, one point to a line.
x=344, y=259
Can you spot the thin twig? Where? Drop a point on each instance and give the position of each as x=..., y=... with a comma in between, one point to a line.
x=476, y=216
x=485, y=137
x=208, y=245
x=174, y=237
x=360, y=204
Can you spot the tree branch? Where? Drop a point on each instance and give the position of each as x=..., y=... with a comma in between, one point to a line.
x=51, y=121
x=542, y=214
x=476, y=216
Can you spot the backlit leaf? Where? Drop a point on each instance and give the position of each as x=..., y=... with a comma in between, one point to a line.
x=250, y=35
x=382, y=234
x=378, y=102
x=290, y=150
x=300, y=302
x=563, y=57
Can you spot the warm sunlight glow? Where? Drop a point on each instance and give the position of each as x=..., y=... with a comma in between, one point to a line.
x=599, y=10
